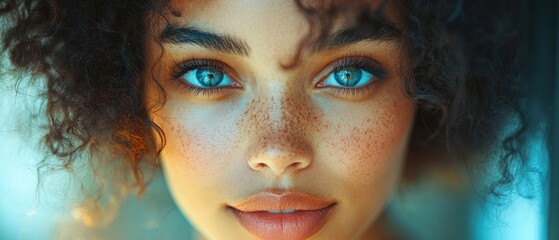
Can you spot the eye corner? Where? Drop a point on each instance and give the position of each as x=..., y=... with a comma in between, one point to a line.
x=320, y=84
x=236, y=84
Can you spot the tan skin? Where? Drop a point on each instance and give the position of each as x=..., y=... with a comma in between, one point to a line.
x=270, y=127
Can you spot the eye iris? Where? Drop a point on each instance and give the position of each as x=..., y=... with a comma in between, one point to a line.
x=209, y=77
x=348, y=76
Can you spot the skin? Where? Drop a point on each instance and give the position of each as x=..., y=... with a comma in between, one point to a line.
x=278, y=130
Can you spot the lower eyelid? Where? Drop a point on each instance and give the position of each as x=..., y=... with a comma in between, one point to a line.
x=217, y=92
x=354, y=94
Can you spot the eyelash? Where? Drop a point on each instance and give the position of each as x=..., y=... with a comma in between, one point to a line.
x=364, y=63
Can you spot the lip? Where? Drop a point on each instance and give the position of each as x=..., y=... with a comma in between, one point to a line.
x=310, y=215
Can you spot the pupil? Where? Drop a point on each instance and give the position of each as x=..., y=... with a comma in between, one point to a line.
x=209, y=77
x=348, y=76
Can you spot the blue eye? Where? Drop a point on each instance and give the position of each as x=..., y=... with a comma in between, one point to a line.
x=353, y=77
x=207, y=77
x=348, y=77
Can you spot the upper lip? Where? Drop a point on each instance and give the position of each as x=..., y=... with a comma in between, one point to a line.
x=281, y=200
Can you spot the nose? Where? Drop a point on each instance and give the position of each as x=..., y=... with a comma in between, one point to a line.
x=280, y=125
x=281, y=159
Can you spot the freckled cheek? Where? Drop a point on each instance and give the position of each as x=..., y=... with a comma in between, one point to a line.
x=198, y=151
x=371, y=147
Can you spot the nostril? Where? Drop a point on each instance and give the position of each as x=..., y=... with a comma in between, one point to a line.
x=260, y=165
x=296, y=165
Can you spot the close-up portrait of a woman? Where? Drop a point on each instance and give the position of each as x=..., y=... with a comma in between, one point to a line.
x=278, y=119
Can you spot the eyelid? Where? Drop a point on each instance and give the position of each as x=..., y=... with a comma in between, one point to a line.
x=366, y=63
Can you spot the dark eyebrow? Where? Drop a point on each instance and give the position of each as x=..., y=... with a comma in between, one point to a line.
x=212, y=41
x=377, y=31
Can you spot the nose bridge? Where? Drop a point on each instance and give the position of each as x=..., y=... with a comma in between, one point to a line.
x=283, y=110
x=281, y=122
x=283, y=107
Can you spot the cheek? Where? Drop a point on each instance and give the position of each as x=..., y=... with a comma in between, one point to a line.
x=189, y=150
x=199, y=146
x=368, y=149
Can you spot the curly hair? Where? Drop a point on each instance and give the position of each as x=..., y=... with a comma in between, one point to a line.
x=464, y=77
x=91, y=55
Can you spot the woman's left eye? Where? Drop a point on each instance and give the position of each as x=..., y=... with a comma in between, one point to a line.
x=352, y=76
x=348, y=77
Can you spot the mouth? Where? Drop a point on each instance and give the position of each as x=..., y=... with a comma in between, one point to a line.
x=282, y=214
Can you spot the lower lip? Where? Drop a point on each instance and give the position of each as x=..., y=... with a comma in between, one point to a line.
x=295, y=226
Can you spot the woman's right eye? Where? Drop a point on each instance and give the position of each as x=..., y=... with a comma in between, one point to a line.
x=206, y=77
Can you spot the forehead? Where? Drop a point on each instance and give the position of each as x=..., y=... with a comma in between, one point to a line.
x=275, y=27
x=286, y=16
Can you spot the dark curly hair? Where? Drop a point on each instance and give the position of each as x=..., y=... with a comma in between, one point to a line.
x=464, y=77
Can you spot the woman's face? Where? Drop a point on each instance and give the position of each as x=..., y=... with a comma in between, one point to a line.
x=258, y=150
